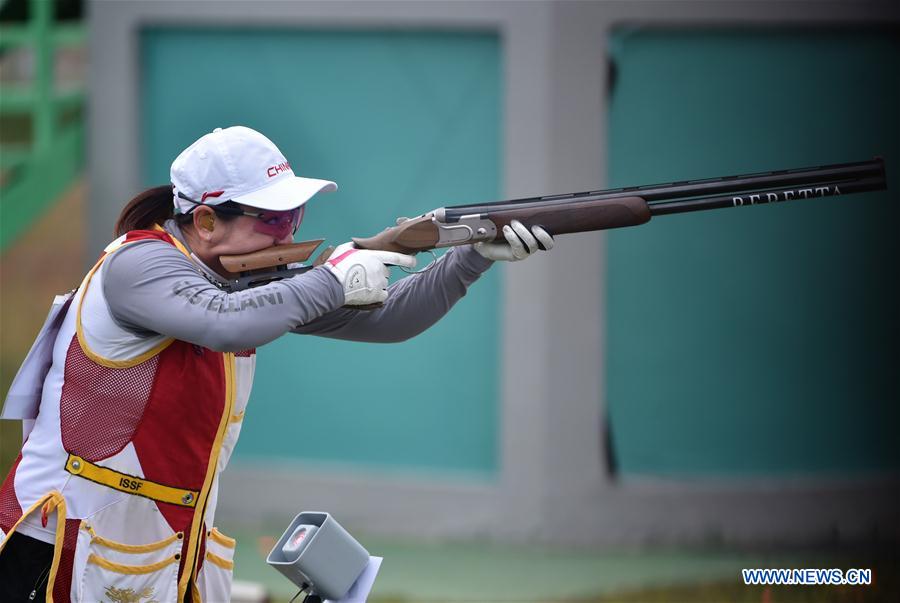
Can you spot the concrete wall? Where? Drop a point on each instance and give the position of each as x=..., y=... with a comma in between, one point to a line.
x=553, y=483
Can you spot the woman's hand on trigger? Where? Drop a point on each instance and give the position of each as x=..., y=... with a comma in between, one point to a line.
x=364, y=273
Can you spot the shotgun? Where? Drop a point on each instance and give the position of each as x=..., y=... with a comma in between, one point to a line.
x=602, y=209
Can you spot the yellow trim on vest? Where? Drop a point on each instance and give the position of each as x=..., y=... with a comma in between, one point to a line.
x=121, y=568
x=175, y=240
x=48, y=503
x=237, y=418
x=193, y=558
x=79, y=330
x=130, y=548
x=218, y=537
x=195, y=593
x=130, y=484
x=225, y=564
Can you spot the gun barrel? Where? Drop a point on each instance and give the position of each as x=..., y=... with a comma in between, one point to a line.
x=770, y=195
x=711, y=193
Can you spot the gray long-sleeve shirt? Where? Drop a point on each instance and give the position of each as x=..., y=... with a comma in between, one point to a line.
x=151, y=287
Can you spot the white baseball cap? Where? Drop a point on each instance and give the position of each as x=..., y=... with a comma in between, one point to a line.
x=239, y=164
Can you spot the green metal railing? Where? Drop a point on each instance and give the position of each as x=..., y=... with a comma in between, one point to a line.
x=34, y=173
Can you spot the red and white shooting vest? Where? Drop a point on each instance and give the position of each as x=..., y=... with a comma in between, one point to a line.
x=121, y=468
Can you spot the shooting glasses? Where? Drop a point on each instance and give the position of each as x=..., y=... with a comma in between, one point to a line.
x=268, y=222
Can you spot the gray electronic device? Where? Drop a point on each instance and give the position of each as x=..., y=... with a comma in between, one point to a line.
x=319, y=556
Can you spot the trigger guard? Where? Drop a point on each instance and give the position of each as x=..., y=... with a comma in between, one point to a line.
x=426, y=268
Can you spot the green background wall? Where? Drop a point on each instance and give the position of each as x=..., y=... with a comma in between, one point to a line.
x=761, y=341
x=403, y=122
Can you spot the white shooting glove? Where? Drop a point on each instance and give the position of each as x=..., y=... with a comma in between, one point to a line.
x=364, y=273
x=520, y=243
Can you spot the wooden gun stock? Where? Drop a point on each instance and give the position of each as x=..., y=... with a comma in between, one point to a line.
x=271, y=257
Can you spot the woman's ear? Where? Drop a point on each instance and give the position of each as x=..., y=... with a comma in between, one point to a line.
x=204, y=221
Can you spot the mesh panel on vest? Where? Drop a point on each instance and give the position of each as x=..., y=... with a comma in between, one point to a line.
x=10, y=510
x=100, y=407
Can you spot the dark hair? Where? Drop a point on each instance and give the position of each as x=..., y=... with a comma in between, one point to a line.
x=155, y=206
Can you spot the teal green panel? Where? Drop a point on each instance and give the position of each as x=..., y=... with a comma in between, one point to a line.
x=404, y=122
x=759, y=341
x=35, y=184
